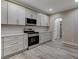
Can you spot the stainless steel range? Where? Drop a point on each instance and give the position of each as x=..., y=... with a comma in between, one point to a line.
x=33, y=37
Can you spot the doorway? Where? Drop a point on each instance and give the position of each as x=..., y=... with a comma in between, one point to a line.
x=57, y=29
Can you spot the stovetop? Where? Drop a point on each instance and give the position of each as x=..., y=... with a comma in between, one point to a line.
x=31, y=32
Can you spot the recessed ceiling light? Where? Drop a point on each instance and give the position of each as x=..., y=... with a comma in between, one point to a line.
x=76, y=0
x=50, y=9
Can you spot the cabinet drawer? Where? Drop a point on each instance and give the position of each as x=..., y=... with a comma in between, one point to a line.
x=10, y=43
x=9, y=38
x=20, y=36
x=10, y=50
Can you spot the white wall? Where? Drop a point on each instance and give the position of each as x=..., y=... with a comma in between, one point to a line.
x=13, y=29
x=69, y=24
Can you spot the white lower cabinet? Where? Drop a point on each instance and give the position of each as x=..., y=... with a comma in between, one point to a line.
x=2, y=47
x=13, y=44
x=10, y=50
x=25, y=41
x=44, y=36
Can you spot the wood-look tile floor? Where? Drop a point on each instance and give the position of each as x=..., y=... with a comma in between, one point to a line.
x=45, y=51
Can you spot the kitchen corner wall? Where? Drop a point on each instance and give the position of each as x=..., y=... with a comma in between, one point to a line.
x=69, y=26
x=15, y=29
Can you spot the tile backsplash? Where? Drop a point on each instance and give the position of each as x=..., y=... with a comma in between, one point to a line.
x=14, y=29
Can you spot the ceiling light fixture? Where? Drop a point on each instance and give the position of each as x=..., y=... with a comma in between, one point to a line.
x=50, y=9
x=76, y=0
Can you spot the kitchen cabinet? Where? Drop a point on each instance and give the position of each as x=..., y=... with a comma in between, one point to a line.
x=33, y=15
x=27, y=13
x=44, y=36
x=42, y=20
x=3, y=12
x=21, y=15
x=2, y=47
x=38, y=19
x=20, y=39
x=46, y=20
x=16, y=14
x=25, y=41
x=13, y=44
x=12, y=13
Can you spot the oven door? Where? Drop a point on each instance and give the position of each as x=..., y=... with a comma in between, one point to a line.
x=33, y=40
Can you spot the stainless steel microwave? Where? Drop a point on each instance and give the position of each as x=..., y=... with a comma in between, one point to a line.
x=29, y=21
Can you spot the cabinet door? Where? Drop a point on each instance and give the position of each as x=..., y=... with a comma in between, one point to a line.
x=33, y=15
x=13, y=44
x=44, y=37
x=25, y=41
x=44, y=20
x=47, y=20
x=10, y=50
x=21, y=15
x=2, y=46
x=20, y=42
x=10, y=45
x=3, y=12
x=38, y=19
x=12, y=13
x=27, y=13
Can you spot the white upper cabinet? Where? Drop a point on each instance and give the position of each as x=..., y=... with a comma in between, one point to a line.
x=42, y=20
x=27, y=13
x=12, y=13
x=3, y=12
x=16, y=15
x=38, y=19
x=30, y=14
x=33, y=15
x=46, y=20
x=21, y=15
